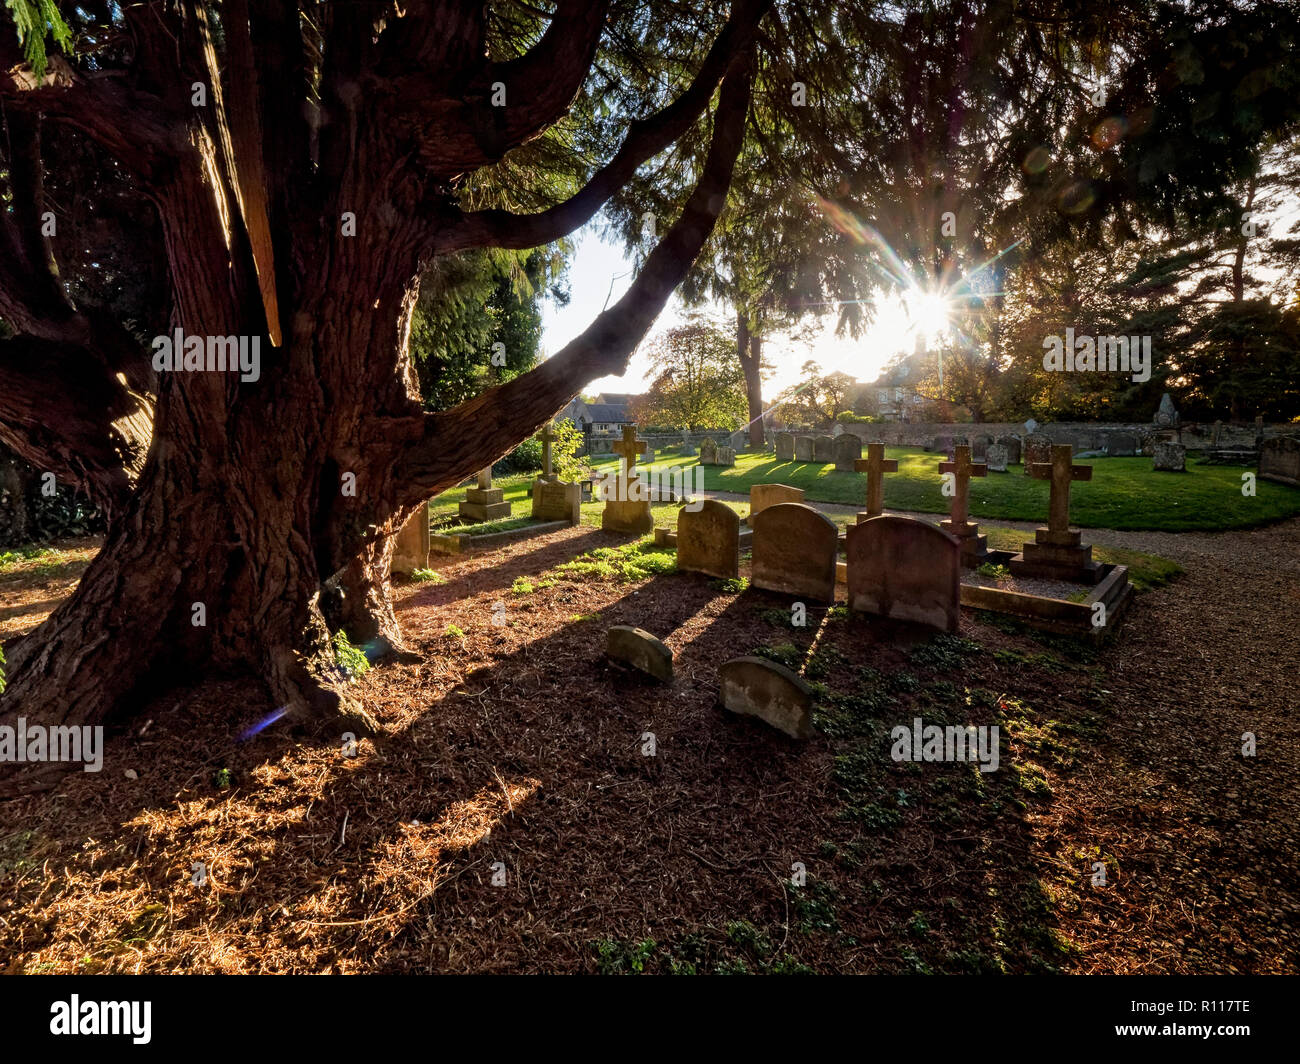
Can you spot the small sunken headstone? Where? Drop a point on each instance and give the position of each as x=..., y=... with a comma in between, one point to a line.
x=761, y=496
x=996, y=457
x=979, y=447
x=848, y=449
x=794, y=549
x=726, y=456
x=638, y=648
x=708, y=451
x=785, y=447
x=1169, y=457
x=708, y=540
x=686, y=448
x=803, y=448
x=905, y=569
x=756, y=687
x=1279, y=460
x=824, y=449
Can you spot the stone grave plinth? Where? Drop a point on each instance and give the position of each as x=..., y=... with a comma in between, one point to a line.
x=1058, y=551
x=484, y=503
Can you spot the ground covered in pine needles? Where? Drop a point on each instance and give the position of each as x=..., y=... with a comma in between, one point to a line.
x=531, y=808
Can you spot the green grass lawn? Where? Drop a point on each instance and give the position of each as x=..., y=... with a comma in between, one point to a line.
x=1124, y=494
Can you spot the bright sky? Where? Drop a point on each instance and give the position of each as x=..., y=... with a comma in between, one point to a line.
x=600, y=272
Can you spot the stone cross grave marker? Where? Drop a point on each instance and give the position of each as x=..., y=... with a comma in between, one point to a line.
x=1057, y=552
x=627, y=514
x=548, y=438
x=875, y=465
x=974, y=547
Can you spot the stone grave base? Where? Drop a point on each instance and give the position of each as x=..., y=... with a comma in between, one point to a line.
x=1058, y=615
x=667, y=537
x=484, y=504
x=974, y=546
x=1057, y=556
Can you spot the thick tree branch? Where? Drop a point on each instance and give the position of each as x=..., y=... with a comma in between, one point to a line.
x=646, y=138
x=468, y=437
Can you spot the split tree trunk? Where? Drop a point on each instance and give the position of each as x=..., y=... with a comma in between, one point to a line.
x=749, y=349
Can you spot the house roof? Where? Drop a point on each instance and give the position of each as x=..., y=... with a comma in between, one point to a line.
x=614, y=398
x=607, y=412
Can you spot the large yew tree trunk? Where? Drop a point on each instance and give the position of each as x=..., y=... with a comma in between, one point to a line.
x=267, y=508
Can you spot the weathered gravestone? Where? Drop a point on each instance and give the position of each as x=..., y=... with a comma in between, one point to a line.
x=875, y=465
x=686, y=448
x=1121, y=445
x=1012, y=444
x=996, y=457
x=708, y=451
x=557, y=500
x=484, y=503
x=627, y=500
x=848, y=449
x=1038, y=451
x=726, y=456
x=1167, y=457
x=411, y=544
x=785, y=447
x=647, y=453
x=641, y=650
x=905, y=569
x=824, y=449
x=761, y=496
x=979, y=447
x=803, y=448
x=794, y=549
x=708, y=540
x=1279, y=460
x=756, y=687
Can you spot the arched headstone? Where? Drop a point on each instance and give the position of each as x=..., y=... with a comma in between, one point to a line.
x=794, y=551
x=905, y=569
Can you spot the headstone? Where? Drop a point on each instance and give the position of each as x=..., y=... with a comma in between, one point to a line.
x=756, y=687
x=761, y=496
x=557, y=500
x=411, y=544
x=1121, y=444
x=974, y=547
x=641, y=650
x=686, y=448
x=940, y=444
x=1216, y=436
x=979, y=447
x=996, y=458
x=905, y=569
x=848, y=449
x=1259, y=429
x=726, y=456
x=794, y=549
x=824, y=449
x=484, y=503
x=1057, y=552
x=647, y=453
x=803, y=448
x=785, y=447
x=838, y=430
x=708, y=540
x=1012, y=444
x=1166, y=416
x=627, y=501
x=1279, y=460
x=875, y=465
x=1169, y=457
x=708, y=451
x=1038, y=451
x=1031, y=426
